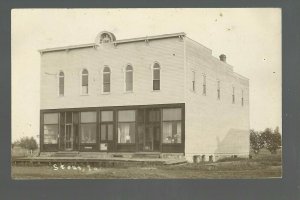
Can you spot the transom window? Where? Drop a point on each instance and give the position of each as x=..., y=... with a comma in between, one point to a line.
x=61, y=83
x=156, y=76
x=106, y=79
x=129, y=78
x=84, y=82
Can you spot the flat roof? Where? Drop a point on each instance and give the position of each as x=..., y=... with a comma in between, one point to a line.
x=155, y=37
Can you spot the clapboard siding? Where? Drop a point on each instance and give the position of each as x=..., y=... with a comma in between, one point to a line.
x=210, y=121
x=168, y=52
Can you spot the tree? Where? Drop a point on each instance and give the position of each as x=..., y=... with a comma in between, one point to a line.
x=27, y=143
x=272, y=140
x=256, y=141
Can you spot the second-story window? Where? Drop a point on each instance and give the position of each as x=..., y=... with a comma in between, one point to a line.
x=84, y=82
x=106, y=79
x=61, y=83
x=156, y=77
x=219, y=90
x=129, y=78
x=242, y=98
x=193, y=81
x=204, y=85
x=233, y=95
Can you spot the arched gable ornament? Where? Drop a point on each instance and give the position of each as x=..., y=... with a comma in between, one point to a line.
x=105, y=37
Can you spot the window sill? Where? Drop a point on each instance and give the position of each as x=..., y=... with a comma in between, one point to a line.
x=128, y=92
x=84, y=94
x=155, y=90
x=105, y=93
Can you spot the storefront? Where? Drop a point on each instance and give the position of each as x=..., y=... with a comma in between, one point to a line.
x=144, y=128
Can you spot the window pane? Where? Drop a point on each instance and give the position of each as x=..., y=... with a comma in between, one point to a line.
x=129, y=67
x=110, y=133
x=126, y=133
x=126, y=116
x=129, y=81
x=75, y=117
x=88, y=133
x=140, y=115
x=171, y=132
x=50, y=134
x=106, y=87
x=103, y=132
x=84, y=89
x=156, y=85
x=61, y=85
x=88, y=117
x=129, y=86
x=106, y=69
x=62, y=118
x=51, y=118
x=69, y=117
x=106, y=78
x=107, y=116
x=85, y=72
x=171, y=114
x=156, y=74
x=154, y=115
x=85, y=80
x=156, y=65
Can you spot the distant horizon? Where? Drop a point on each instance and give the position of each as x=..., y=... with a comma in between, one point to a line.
x=250, y=38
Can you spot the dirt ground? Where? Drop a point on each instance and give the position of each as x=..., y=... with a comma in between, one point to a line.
x=260, y=166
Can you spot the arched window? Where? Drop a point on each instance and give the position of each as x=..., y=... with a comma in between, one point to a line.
x=156, y=77
x=61, y=83
x=129, y=78
x=106, y=79
x=84, y=82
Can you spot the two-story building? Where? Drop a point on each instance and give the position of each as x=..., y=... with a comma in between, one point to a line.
x=164, y=94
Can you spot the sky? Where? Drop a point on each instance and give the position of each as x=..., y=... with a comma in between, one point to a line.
x=250, y=38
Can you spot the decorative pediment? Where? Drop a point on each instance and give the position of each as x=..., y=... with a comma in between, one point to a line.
x=105, y=37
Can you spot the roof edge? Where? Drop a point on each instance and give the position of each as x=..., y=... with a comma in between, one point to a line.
x=155, y=37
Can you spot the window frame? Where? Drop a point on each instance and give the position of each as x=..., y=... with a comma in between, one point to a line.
x=81, y=82
x=87, y=123
x=218, y=89
x=106, y=123
x=125, y=78
x=242, y=99
x=193, y=81
x=204, y=85
x=181, y=120
x=104, y=83
x=233, y=95
x=153, y=69
x=59, y=82
x=51, y=124
x=126, y=122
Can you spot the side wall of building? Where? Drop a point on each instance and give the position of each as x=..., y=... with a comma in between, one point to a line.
x=141, y=55
x=214, y=127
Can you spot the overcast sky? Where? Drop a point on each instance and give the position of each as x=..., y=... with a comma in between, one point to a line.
x=250, y=38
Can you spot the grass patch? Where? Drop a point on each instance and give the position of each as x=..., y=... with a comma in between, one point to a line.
x=260, y=166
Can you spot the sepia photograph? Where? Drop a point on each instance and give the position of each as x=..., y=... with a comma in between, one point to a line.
x=156, y=93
